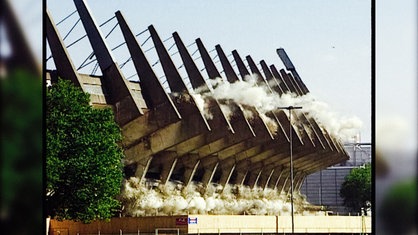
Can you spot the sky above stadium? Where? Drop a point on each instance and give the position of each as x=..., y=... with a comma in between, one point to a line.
x=329, y=42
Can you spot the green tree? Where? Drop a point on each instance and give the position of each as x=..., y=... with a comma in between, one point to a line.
x=83, y=160
x=356, y=189
x=20, y=152
x=398, y=210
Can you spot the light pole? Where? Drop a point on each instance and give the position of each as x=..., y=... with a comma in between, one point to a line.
x=290, y=108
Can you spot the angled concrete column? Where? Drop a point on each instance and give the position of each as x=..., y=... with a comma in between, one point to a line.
x=120, y=96
x=254, y=174
x=290, y=83
x=278, y=171
x=153, y=91
x=300, y=182
x=289, y=66
x=300, y=118
x=218, y=116
x=254, y=69
x=242, y=174
x=298, y=176
x=63, y=63
x=207, y=61
x=226, y=174
x=240, y=64
x=230, y=74
x=273, y=84
x=189, y=172
x=174, y=79
x=162, y=111
x=259, y=124
x=210, y=171
x=278, y=185
x=288, y=184
x=176, y=83
x=283, y=86
x=295, y=84
x=142, y=168
x=196, y=78
x=265, y=177
x=281, y=185
x=289, y=80
x=167, y=161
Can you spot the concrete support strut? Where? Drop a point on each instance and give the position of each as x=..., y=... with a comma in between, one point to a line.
x=120, y=96
x=168, y=136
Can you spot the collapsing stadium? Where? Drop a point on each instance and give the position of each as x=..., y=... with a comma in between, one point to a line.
x=214, y=143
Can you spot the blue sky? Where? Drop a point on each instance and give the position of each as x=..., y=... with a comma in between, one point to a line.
x=328, y=41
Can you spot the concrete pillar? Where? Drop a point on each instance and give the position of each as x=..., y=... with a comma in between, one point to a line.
x=210, y=171
x=254, y=176
x=207, y=61
x=270, y=78
x=142, y=168
x=195, y=76
x=265, y=177
x=63, y=63
x=197, y=81
x=254, y=171
x=242, y=172
x=289, y=66
x=254, y=69
x=226, y=173
x=275, y=177
x=153, y=92
x=176, y=83
x=167, y=161
x=240, y=64
x=231, y=76
x=290, y=83
x=283, y=86
x=283, y=182
x=189, y=172
x=173, y=77
x=120, y=96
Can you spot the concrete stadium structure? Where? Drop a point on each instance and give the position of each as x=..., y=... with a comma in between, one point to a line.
x=166, y=134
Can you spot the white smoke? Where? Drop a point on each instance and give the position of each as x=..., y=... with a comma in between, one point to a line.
x=176, y=199
x=249, y=93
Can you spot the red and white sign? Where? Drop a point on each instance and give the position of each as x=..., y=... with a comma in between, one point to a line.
x=181, y=221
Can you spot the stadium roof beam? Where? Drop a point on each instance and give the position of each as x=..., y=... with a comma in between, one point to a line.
x=120, y=96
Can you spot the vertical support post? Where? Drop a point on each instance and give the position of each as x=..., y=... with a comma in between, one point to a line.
x=291, y=170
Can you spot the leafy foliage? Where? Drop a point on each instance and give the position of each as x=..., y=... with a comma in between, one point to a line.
x=356, y=189
x=398, y=210
x=20, y=152
x=83, y=161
